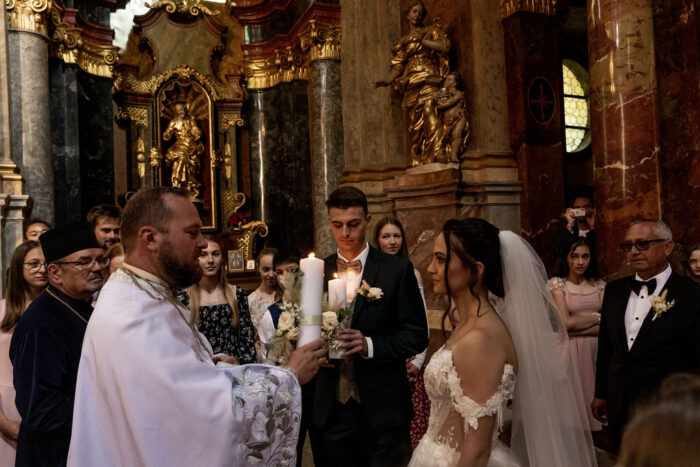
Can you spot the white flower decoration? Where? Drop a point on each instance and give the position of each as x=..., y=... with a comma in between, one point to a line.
x=286, y=321
x=293, y=334
x=330, y=320
x=660, y=305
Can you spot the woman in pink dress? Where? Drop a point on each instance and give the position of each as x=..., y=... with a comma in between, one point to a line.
x=578, y=293
x=26, y=279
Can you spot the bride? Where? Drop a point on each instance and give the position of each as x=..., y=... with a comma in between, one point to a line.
x=508, y=329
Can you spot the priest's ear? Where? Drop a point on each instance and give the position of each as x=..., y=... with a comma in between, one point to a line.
x=55, y=273
x=148, y=238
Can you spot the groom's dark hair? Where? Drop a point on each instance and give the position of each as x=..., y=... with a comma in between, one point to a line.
x=347, y=197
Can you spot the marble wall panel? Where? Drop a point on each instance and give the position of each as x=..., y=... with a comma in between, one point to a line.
x=624, y=122
x=31, y=132
x=677, y=53
x=327, y=161
x=96, y=140
x=281, y=189
x=65, y=140
x=531, y=51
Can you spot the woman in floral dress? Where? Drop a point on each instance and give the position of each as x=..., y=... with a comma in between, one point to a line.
x=221, y=309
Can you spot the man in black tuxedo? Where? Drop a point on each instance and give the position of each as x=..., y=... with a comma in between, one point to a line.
x=637, y=345
x=362, y=407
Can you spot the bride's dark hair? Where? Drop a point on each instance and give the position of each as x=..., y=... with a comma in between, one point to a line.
x=474, y=240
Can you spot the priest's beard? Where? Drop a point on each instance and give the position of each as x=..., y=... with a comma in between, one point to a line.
x=180, y=272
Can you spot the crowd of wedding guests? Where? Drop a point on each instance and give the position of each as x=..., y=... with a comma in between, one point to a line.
x=615, y=375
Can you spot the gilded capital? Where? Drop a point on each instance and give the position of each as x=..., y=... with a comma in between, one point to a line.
x=229, y=120
x=543, y=7
x=69, y=46
x=192, y=7
x=321, y=41
x=284, y=66
x=29, y=15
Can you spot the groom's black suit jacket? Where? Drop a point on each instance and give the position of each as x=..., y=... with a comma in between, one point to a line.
x=667, y=345
x=397, y=325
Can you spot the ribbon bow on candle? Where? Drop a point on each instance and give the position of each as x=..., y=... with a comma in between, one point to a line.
x=344, y=266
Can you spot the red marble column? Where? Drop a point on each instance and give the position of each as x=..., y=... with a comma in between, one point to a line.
x=677, y=47
x=624, y=121
x=531, y=46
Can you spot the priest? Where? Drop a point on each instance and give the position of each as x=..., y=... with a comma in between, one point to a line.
x=45, y=347
x=149, y=390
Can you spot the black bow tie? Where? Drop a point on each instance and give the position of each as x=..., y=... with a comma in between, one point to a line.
x=637, y=286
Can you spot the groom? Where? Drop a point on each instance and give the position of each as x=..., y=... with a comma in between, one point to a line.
x=362, y=408
x=639, y=344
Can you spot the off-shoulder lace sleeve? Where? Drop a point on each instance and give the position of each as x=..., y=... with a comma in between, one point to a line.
x=558, y=284
x=470, y=410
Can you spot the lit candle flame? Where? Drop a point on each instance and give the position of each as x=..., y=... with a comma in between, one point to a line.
x=312, y=255
x=335, y=275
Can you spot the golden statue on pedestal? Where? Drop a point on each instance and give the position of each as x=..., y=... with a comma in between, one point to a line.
x=185, y=152
x=418, y=69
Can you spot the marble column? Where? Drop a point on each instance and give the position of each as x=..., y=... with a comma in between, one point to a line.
x=676, y=22
x=29, y=100
x=326, y=145
x=532, y=53
x=624, y=121
x=280, y=164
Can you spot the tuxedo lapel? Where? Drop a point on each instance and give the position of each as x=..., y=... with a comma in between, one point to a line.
x=620, y=307
x=369, y=274
x=648, y=324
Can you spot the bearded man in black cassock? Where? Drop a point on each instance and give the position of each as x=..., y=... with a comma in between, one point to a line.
x=45, y=347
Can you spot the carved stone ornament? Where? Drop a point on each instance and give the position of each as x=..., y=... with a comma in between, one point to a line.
x=284, y=66
x=321, y=41
x=191, y=7
x=139, y=115
x=543, y=7
x=229, y=120
x=29, y=15
x=95, y=59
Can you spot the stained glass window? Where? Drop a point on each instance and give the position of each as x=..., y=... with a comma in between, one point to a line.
x=577, y=121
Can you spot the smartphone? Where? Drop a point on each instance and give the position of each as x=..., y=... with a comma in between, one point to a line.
x=578, y=212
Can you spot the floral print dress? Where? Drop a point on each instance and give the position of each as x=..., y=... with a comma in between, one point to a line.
x=215, y=324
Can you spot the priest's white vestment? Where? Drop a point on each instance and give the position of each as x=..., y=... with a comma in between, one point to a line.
x=148, y=393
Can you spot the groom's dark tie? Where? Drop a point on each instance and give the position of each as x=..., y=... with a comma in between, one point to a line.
x=343, y=266
x=637, y=286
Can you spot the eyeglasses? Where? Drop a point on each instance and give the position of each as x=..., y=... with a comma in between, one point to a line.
x=641, y=245
x=87, y=263
x=35, y=266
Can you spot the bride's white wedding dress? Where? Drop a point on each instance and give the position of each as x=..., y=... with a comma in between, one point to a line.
x=452, y=411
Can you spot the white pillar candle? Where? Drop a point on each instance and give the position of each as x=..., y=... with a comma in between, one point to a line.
x=337, y=297
x=311, y=297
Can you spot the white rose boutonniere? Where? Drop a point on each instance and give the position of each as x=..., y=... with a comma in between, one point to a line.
x=660, y=305
x=330, y=320
x=370, y=293
x=286, y=321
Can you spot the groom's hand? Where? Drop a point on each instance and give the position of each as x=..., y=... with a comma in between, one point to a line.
x=354, y=342
x=599, y=409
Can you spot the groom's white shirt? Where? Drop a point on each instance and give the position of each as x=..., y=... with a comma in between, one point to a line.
x=638, y=306
x=353, y=281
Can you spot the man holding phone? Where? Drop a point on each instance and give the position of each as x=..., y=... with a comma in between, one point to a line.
x=580, y=222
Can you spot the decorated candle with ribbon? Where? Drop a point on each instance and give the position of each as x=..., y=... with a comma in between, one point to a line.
x=311, y=297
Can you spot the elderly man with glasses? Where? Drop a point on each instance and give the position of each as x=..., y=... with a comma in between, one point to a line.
x=650, y=327
x=45, y=347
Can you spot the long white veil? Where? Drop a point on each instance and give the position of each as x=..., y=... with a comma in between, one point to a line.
x=550, y=425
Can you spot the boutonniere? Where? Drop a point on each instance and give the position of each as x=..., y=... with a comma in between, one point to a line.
x=660, y=305
x=370, y=293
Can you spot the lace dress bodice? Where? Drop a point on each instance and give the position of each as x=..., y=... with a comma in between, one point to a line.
x=453, y=413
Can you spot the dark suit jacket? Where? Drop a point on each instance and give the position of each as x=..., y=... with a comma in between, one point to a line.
x=398, y=328
x=667, y=345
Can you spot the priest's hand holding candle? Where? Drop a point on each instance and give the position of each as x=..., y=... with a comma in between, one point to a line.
x=311, y=297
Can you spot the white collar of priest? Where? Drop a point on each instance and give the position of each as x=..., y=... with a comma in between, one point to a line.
x=146, y=275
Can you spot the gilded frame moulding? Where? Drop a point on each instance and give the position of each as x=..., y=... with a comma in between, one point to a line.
x=192, y=7
x=321, y=41
x=139, y=115
x=92, y=58
x=543, y=7
x=318, y=41
x=29, y=15
x=229, y=120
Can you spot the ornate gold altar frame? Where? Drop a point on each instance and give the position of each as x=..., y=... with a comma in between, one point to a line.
x=209, y=222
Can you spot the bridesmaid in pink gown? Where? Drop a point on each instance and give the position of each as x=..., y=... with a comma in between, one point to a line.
x=27, y=278
x=578, y=293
